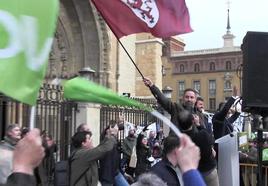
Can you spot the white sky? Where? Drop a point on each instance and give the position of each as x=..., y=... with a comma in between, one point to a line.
x=209, y=21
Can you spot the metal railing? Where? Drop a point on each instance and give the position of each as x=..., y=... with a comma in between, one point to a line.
x=249, y=174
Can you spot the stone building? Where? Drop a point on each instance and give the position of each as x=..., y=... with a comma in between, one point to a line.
x=212, y=72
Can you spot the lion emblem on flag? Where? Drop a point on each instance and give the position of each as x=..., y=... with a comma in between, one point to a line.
x=146, y=10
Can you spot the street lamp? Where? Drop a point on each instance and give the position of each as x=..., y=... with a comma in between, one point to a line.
x=87, y=73
x=167, y=91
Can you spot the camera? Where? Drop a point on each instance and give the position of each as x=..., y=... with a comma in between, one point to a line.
x=120, y=126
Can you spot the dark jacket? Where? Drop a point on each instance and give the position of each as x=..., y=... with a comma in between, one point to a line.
x=171, y=107
x=109, y=166
x=20, y=179
x=164, y=170
x=84, y=167
x=127, y=146
x=221, y=124
x=205, y=142
x=143, y=164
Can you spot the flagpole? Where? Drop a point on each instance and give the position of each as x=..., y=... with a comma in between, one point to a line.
x=119, y=42
x=131, y=59
x=32, y=118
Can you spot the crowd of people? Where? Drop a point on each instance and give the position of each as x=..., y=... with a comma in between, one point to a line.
x=141, y=158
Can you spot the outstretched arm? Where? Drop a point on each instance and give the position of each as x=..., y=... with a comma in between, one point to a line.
x=159, y=96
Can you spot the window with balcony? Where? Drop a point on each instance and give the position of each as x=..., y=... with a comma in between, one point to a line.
x=212, y=104
x=197, y=86
x=181, y=88
x=212, y=88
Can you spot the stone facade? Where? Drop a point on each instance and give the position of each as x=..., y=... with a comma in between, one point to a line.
x=213, y=72
x=81, y=40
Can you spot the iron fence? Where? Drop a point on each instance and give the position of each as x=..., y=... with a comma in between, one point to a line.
x=135, y=116
x=249, y=174
x=53, y=114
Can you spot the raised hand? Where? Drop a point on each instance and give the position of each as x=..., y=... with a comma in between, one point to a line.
x=147, y=82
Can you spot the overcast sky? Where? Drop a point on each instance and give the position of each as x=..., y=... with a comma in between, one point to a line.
x=209, y=21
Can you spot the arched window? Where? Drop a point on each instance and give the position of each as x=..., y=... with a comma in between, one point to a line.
x=212, y=66
x=228, y=65
x=181, y=68
x=196, y=67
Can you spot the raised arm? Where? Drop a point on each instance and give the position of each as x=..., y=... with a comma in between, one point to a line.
x=159, y=96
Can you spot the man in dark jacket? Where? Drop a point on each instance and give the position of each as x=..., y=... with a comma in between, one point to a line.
x=188, y=102
x=205, y=141
x=84, y=168
x=181, y=157
x=127, y=146
x=222, y=123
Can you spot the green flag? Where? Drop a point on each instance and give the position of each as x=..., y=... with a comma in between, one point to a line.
x=80, y=89
x=26, y=35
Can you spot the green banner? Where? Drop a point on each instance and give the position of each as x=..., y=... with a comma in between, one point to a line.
x=26, y=35
x=80, y=89
x=265, y=154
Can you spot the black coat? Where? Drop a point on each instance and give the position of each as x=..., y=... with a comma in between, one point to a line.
x=221, y=124
x=164, y=170
x=20, y=179
x=205, y=142
x=143, y=165
x=109, y=166
x=171, y=107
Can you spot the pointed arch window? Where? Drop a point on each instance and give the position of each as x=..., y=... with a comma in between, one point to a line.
x=196, y=67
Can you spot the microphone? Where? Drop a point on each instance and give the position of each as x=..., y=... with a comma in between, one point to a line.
x=229, y=130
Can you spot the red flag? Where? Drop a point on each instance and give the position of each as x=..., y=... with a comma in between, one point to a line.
x=161, y=18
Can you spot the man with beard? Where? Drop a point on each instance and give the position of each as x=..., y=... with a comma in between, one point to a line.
x=188, y=102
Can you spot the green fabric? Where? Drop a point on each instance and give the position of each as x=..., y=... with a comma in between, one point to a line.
x=26, y=35
x=80, y=89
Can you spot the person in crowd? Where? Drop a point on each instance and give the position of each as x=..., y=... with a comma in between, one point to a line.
x=83, y=127
x=24, y=131
x=223, y=119
x=47, y=167
x=28, y=154
x=204, y=140
x=179, y=163
x=149, y=179
x=156, y=153
x=173, y=108
x=109, y=171
x=127, y=146
x=152, y=139
x=84, y=167
x=203, y=117
x=7, y=146
x=143, y=154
